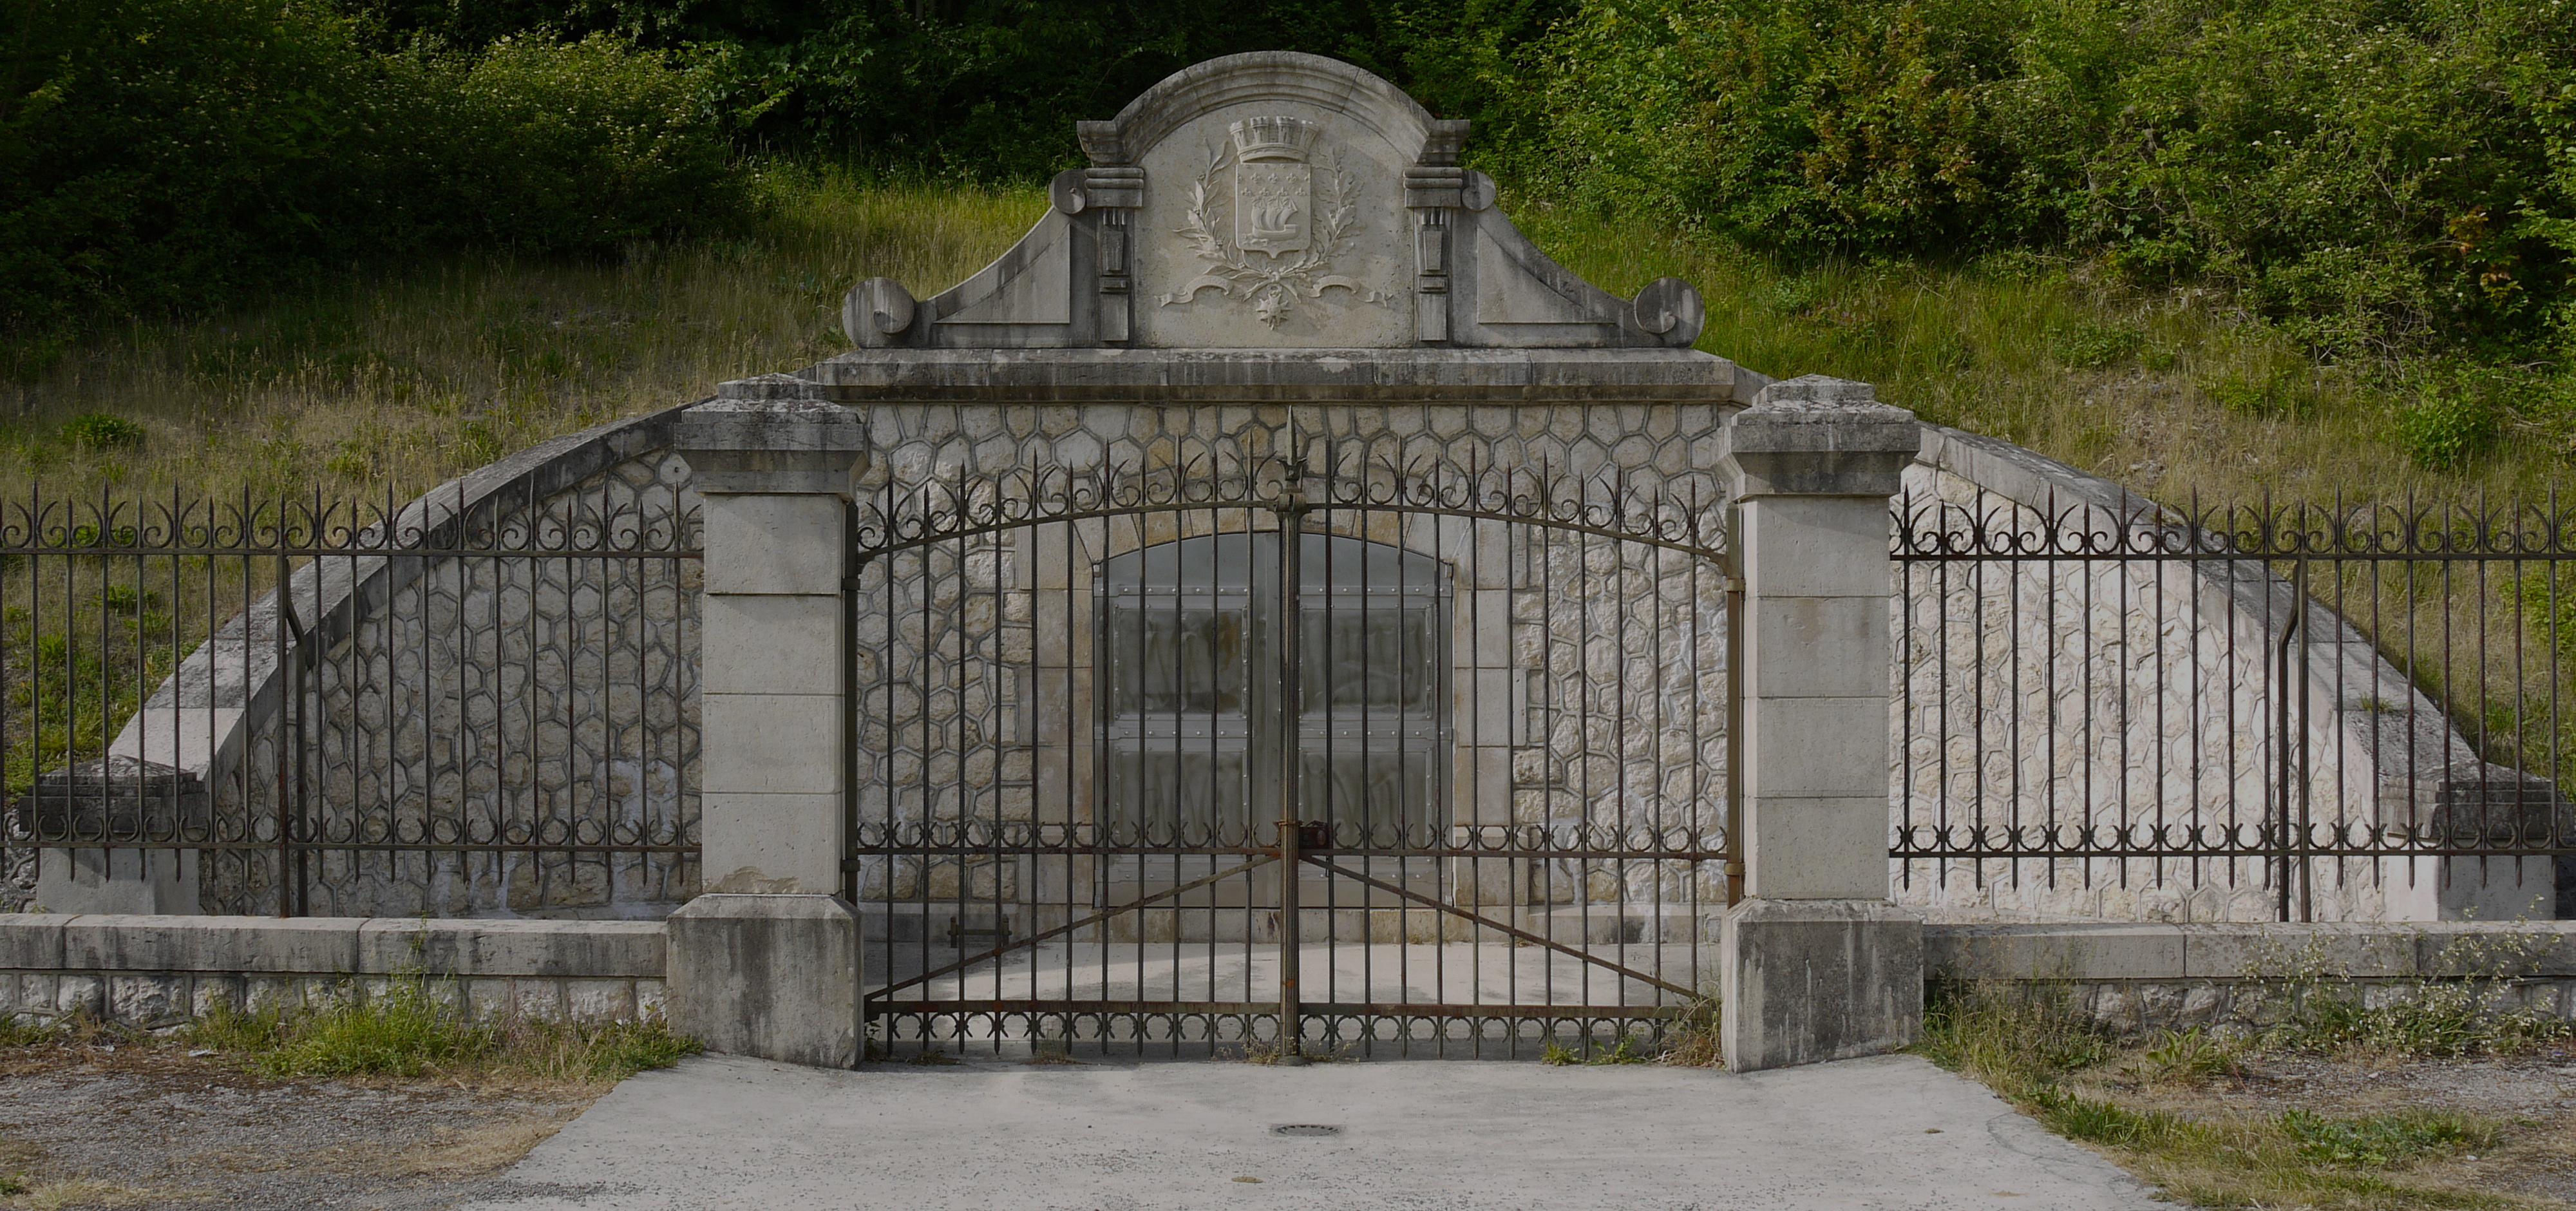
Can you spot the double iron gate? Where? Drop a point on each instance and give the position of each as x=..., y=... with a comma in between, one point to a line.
x=1427, y=762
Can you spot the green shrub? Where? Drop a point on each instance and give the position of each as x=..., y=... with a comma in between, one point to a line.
x=2012, y=1037
x=2547, y=595
x=2447, y=428
x=1807, y=124
x=15, y=1032
x=2327, y=1012
x=2380, y=1140
x=2096, y=1121
x=100, y=431
x=402, y=1031
x=2190, y=1056
x=2093, y=346
x=154, y=151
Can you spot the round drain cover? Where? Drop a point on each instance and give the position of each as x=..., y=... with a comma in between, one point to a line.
x=1305, y=1129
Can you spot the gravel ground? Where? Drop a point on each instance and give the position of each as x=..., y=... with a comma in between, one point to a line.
x=2533, y=1096
x=85, y=1125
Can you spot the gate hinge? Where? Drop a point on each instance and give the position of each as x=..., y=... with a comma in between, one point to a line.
x=849, y=866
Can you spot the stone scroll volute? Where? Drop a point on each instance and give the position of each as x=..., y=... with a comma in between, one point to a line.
x=1276, y=201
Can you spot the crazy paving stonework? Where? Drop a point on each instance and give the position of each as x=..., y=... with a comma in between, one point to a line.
x=505, y=700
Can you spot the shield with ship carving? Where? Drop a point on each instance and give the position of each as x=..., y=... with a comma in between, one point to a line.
x=1292, y=203
x=1273, y=203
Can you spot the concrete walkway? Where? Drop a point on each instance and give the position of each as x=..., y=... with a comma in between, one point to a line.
x=1420, y=1135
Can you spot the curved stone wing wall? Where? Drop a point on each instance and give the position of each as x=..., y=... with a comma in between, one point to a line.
x=477, y=697
x=2135, y=695
x=519, y=700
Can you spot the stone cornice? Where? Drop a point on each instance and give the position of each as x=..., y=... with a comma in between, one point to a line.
x=1170, y=376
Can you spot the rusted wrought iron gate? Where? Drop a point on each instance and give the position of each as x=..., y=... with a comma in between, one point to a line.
x=1424, y=760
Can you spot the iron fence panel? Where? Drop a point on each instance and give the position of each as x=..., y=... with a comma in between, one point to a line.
x=2334, y=711
x=302, y=705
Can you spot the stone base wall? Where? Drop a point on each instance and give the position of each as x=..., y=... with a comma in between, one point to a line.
x=151, y=972
x=2132, y=1008
x=2136, y=979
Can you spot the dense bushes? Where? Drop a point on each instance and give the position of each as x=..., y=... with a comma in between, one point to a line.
x=584, y=145
x=157, y=153
x=989, y=89
x=2380, y=176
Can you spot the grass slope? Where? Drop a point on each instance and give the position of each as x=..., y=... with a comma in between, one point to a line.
x=395, y=381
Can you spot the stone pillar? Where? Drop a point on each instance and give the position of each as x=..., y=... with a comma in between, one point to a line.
x=1815, y=962
x=776, y=481
x=767, y=963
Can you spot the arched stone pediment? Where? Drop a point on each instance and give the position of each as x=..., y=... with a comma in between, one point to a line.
x=1274, y=201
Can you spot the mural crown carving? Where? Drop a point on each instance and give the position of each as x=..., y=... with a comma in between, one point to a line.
x=1274, y=138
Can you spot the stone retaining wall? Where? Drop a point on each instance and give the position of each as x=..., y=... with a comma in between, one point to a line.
x=2138, y=978
x=155, y=971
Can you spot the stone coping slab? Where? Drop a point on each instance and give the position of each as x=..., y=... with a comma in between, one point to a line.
x=2221, y=951
x=1183, y=376
x=332, y=945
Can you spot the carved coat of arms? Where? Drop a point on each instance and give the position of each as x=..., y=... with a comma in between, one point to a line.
x=1291, y=206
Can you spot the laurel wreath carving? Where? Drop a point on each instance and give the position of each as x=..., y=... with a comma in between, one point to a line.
x=1273, y=287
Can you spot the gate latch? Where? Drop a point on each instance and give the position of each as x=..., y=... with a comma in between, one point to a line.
x=1314, y=836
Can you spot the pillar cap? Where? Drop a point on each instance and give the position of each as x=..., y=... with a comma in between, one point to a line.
x=776, y=446
x=1819, y=436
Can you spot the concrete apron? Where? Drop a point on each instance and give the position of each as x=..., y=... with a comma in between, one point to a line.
x=1886, y=1133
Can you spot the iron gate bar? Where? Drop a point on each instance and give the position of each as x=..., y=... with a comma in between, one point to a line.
x=1275, y=504
x=1522, y=934
x=1070, y=926
x=1351, y=851
x=1026, y=1006
x=1291, y=512
x=307, y=592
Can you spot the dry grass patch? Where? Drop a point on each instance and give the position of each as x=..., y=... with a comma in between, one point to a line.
x=83, y=1192
x=474, y=1151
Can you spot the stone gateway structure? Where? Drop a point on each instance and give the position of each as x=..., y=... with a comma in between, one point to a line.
x=1272, y=608
x=1277, y=606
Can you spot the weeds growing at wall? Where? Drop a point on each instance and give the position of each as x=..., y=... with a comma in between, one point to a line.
x=2322, y=1010
x=2033, y=1045
x=408, y=1029
x=17, y=1032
